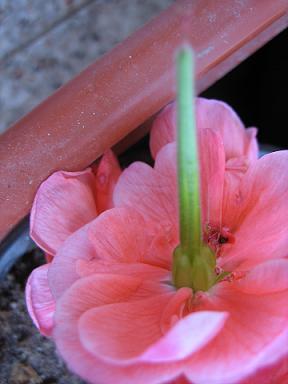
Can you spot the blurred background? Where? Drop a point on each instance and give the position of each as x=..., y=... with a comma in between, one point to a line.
x=43, y=44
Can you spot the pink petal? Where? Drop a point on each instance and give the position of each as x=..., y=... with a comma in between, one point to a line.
x=189, y=335
x=139, y=323
x=210, y=114
x=176, y=309
x=118, y=233
x=255, y=322
x=152, y=192
x=28, y=300
x=269, y=277
x=89, y=293
x=62, y=272
x=163, y=129
x=112, y=238
x=234, y=172
x=124, y=330
x=219, y=116
x=251, y=145
x=212, y=163
x=160, y=251
x=39, y=300
x=261, y=230
x=63, y=203
x=275, y=366
x=107, y=174
x=140, y=270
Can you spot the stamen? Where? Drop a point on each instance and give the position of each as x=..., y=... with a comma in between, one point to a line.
x=234, y=276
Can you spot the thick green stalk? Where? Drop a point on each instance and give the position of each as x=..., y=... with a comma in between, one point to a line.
x=194, y=262
x=188, y=164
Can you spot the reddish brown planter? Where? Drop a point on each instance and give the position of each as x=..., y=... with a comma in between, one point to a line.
x=120, y=91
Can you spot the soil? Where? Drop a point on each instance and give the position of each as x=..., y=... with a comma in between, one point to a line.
x=26, y=357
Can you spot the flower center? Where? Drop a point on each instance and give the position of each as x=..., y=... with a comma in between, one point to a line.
x=198, y=274
x=216, y=237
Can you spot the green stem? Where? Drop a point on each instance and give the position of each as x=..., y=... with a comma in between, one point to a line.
x=188, y=163
x=193, y=261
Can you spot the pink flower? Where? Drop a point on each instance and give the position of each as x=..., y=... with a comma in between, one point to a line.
x=118, y=317
x=64, y=203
